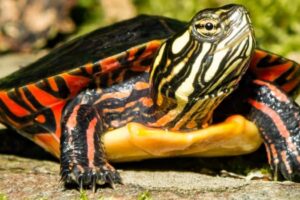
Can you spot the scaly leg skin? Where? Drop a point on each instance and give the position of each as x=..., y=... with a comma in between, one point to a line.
x=278, y=118
x=83, y=160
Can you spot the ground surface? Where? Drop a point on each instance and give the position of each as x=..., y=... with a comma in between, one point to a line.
x=22, y=178
x=35, y=174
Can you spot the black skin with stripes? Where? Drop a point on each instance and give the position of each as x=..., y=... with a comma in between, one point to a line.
x=103, y=172
x=88, y=110
x=289, y=113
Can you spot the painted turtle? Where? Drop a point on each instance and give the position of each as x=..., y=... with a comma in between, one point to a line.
x=150, y=87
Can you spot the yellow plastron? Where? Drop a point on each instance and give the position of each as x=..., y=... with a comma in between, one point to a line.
x=235, y=136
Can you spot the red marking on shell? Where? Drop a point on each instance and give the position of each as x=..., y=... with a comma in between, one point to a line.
x=58, y=111
x=41, y=119
x=25, y=99
x=289, y=86
x=75, y=83
x=272, y=73
x=109, y=64
x=13, y=123
x=153, y=46
x=89, y=68
x=42, y=96
x=132, y=52
x=137, y=67
x=15, y=108
x=258, y=55
x=53, y=84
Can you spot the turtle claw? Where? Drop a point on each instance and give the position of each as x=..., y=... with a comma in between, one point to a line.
x=288, y=167
x=283, y=155
x=94, y=184
x=90, y=177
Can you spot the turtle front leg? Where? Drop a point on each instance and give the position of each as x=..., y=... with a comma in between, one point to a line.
x=83, y=160
x=278, y=119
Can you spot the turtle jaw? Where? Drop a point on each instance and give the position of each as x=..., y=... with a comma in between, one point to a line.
x=239, y=29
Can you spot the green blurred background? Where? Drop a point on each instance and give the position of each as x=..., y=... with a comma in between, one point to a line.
x=276, y=23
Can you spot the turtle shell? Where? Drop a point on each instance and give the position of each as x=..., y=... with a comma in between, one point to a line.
x=93, y=47
x=32, y=99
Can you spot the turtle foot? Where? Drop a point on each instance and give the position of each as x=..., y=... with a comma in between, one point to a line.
x=90, y=177
x=286, y=164
x=278, y=119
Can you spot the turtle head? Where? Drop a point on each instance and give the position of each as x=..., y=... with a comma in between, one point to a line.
x=204, y=61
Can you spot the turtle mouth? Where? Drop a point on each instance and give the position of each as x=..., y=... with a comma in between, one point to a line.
x=246, y=32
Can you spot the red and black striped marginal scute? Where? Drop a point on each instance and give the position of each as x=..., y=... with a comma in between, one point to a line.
x=35, y=110
x=278, y=118
x=276, y=69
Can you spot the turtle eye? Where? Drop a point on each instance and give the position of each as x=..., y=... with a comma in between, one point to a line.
x=208, y=27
